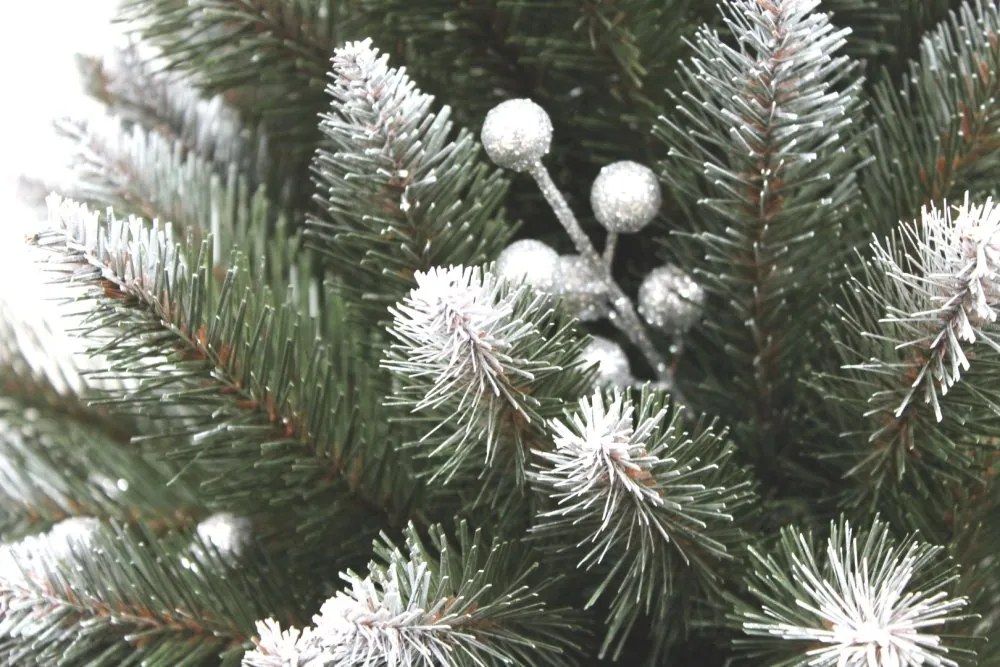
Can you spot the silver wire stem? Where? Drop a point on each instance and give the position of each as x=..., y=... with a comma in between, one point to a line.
x=624, y=316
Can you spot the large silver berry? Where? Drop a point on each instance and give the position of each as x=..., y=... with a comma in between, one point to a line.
x=517, y=134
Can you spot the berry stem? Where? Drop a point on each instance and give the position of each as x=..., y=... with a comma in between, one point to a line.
x=610, y=244
x=623, y=316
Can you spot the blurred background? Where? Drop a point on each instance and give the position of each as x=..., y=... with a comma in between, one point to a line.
x=39, y=81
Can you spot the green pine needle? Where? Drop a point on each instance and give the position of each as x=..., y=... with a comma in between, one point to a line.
x=246, y=381
x=400, y=191
x=107, y=595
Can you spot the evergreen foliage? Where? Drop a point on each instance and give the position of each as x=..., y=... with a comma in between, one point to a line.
x=484, y=363
x=140, y=95
x=63, y=460
x=765, y=141
x=414, y=209
x=859, y=584
x=671, y=507
x=435, y=604
x=920, y=317
x=318, y=424
x=86, y=594
x=935, y=134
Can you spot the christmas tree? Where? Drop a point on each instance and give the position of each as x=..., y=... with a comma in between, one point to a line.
x=508, y=332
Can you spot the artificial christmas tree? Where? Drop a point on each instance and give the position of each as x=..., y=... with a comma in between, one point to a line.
x=634, y=332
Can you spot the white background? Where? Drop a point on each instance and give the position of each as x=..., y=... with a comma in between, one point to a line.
x=38, y=83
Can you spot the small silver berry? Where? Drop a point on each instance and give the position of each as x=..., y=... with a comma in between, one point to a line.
x=612, y=365
x=530, y=261
x=582, y=289
x=625, y=196
x=670, y=300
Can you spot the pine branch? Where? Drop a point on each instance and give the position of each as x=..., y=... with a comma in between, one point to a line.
x=486, y=363
x=134, y=90
x=61, y=459
x=886, y=34
x=920, y=352
x=762, y=148
x=268, y=58
x=652, y=509
x=936, y=136
x=47, y=383
x=400, y=192
x=599, y=68
x=149, y=175
x=956, y=272
x=865, y=599
x=135, y=171
x=256, y=389
x=473, y=605
x=87, y=594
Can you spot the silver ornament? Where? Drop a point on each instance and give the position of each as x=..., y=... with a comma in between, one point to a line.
x=71, y=535
x=582, y=289
x=670, y=300
x=516, y=134
x=625, y=196
x=228, y=533
x=529, y=261
x=612, y=364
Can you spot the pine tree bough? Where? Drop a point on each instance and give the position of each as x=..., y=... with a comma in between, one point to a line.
x=266, y=57
x=863, y=600
x=763, y=139
x=400, y=192
x=647, y=506
x=937, y=134
x=429, y=606
x=202, y=340
x=957, y=278
x=403, y=442
x=103, y=577
x=150, y=175
x=62, y=458
x=924, y=313
x=141, y=95
x=482, y=355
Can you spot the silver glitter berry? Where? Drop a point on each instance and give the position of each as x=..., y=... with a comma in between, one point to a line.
x=670, y=300
x=516, y=134
x=613, y=369
x=581, y=288
x=530, y=261
x=625, y=196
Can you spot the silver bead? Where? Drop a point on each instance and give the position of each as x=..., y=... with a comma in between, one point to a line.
x=582, y=289
x=625, y=196
x=612, y=364
x=670, y=300
x=529, y=261
x=516, y=134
